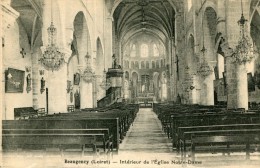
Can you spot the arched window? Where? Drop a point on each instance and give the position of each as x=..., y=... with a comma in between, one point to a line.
x=144, y=50
x=147, y=65
x=133, y=51
x=155, y=51
x=132, y=65
x=153, y=64
x=221, y=65
x=142, y=65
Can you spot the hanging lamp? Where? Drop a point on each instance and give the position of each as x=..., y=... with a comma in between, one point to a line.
x=244, y=51
x=204, y=69
x=52, y=58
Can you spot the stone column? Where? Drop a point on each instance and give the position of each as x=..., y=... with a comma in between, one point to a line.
x=178, y=49
x=86, y=91
x=209, y=97
x=94, y=93
x=35, y=79
x=108, y=40
x=57, y=85
x=236, y=73
x=242, y=91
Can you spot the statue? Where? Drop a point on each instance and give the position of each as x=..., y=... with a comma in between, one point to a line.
x=28, y=80
x=42, y=85
x=114, y=63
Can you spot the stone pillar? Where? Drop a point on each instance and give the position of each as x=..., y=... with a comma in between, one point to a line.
x=209, y=97
x=221, y=22
x=35, y=79
x=174, y=62
x=57, y=85
x=236, y=74
x=242, y=91
x=94, y=93
x=108, y=40
x=86, y=93
x=178, y=49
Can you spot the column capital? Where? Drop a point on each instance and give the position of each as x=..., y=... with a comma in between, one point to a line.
x=110, y=18
x=9, y=15
x=67, y=51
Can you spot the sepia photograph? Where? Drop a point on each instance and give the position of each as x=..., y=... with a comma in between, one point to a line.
x=130, y=84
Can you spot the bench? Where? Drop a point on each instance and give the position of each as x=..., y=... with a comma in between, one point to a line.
x=41, y=112
x=44, y=141
x=69, y=123
x=24, y=113
x=192, y=139
x=242, y=140
x=209, y=119
x=70, y=108
x=106, y=145
x=182, y=130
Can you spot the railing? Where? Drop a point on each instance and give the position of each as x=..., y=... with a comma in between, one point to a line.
x=110, y=98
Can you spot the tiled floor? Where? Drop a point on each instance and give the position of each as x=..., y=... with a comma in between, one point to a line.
x=146, y=135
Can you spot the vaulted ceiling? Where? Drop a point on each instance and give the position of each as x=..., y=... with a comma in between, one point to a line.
x=30, y=17
x=156, y=17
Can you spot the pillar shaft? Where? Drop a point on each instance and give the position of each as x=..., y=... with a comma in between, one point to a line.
x=35, y=80
x=108, y=41
x=57, y=93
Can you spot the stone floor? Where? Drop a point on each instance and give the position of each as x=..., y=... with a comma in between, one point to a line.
x=145, y=145
x=146, y=135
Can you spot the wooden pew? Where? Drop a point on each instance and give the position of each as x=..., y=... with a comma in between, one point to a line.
x=54, y=123
x=106, y=144
x=242, y=139
x=44, y=141
x=192, y=139
x=180, y=136
x=70, y=108
x=209, y=119
x=24, y=112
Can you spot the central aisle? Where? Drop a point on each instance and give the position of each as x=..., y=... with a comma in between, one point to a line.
x=146, y=135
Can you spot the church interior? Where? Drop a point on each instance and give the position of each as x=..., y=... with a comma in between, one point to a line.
x=175, y=80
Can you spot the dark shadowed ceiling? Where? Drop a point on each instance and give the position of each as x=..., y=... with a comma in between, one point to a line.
x=156, y=17
x=30, y=17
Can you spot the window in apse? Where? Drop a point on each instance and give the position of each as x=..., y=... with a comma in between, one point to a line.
x=144, y=50
x=133, y=51
x=221, y=65
x=155, y=51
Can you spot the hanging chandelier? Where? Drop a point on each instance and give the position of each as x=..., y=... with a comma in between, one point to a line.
x=204, y=69
x=52, y=58
x=88, y=75
x=244, y=51
x=105, y=84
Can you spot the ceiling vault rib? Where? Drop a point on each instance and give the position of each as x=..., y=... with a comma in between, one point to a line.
x=36, y=8
x=127, y=19
x=162, y=17
x=33, y=37
x=160, y=20
x=168, y=14
x=153, y=17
